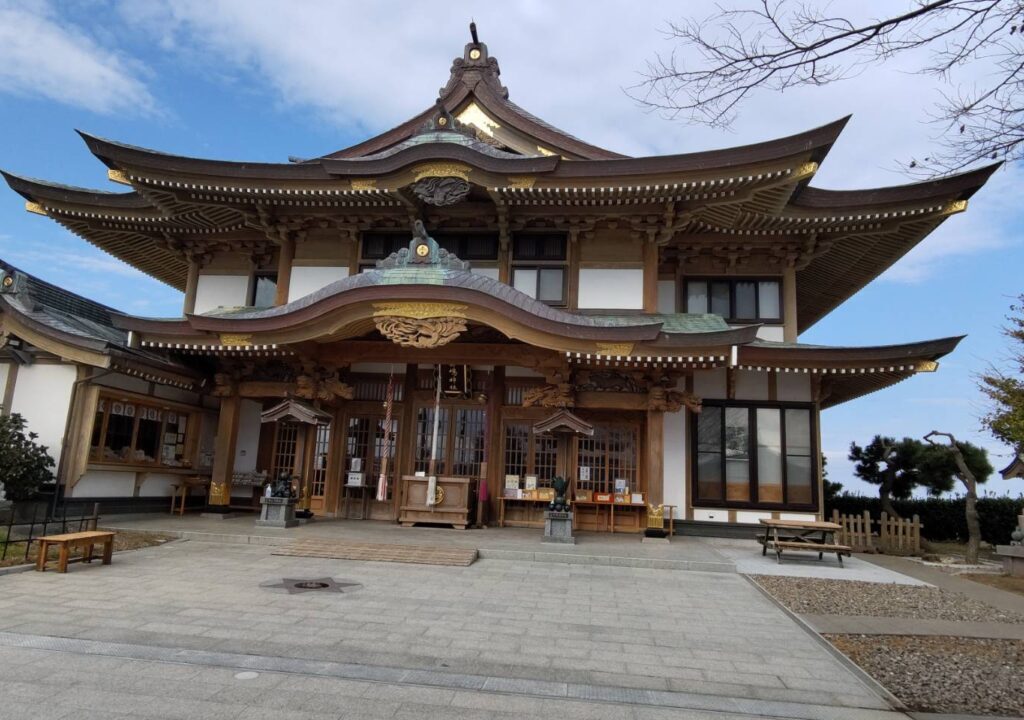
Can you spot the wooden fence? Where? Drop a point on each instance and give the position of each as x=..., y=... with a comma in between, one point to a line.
x=895, y=536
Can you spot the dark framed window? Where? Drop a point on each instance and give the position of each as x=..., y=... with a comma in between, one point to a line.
x=470, y=245
x=755, y=456
x=539, y=266
x=377, y=246
x=735, y=299
x=263, y=290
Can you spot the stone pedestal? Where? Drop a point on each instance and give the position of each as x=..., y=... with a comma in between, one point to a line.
x=277, y=513
x=558, y=527
x=1013, y=559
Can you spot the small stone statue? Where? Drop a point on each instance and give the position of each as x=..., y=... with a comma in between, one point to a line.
x=560, y=503
x=283, y=486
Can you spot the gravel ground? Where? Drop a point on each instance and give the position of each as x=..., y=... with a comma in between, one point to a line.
x=851, y=597
x=943, y=674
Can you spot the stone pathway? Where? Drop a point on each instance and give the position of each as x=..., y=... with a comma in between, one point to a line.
x=416, y=554
x=162, y=632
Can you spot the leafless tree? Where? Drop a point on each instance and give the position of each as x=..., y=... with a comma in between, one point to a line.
x=782, y=44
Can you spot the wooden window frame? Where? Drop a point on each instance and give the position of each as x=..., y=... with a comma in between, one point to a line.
x=733, y=280
x=188, y=462
x=752, y=408
x=448, y=457
x=529, y=263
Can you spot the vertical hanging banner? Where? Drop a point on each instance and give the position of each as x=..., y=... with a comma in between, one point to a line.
x=389, y=404
x=432, y=472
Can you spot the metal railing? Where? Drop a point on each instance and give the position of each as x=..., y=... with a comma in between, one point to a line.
x=18, y=527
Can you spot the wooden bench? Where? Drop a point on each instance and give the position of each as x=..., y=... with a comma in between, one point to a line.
x=820, y=548
x=801, y=535
x=86, y=540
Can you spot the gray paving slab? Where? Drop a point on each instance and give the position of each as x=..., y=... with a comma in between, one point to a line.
x=417, y=636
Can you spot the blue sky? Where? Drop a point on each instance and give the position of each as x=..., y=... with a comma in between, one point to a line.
x=253, y=80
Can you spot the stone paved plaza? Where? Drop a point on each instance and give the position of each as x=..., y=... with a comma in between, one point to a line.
x=164, y=631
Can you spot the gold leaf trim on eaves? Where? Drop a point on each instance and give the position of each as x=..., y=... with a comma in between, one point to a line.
x=442, y=170
x=419, y=310
x=234, y=340
x=614, y=349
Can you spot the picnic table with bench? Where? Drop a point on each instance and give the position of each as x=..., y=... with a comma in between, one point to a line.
x=801, y=536
x=87, y=540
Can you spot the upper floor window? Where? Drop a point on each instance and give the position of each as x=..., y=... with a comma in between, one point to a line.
x=263, y=290
x=377, y=246
x=480, y=248
x=539, y=266
x=735, y=299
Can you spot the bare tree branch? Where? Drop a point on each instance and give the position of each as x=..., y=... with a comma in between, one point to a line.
x=782, y=44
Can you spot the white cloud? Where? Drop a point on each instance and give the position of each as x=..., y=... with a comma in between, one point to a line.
x=371, y=66
x=41, y=55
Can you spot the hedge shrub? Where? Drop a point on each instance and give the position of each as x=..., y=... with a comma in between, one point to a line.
x=942, y=518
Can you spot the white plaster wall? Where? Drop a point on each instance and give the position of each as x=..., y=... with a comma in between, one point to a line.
x=751, y=385
x=710, y=384
x=793, y=387
x=774, y=333
x=491, y=272
x=158, y=485
x=667, y=296
x=751, y=518
x=214, y=291
x=611, y=288
x=248, y=436
x=309, y=279
x=42, y=395
x=674, y=464
x=104, y=483
x=711, y=515
x=5, y=369
x=797, y=516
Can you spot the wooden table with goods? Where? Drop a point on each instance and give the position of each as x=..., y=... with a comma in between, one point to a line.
x=181, y=489
x=801, y=536
x=533, y=510
x=582, y=515
x=86, y=540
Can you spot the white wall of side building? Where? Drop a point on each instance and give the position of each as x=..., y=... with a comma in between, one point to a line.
x=214, y=291
x=42, y=395
x=676, y=443
x=774, y=333
x=306, y=279
x=5, y=370
x=611, y=289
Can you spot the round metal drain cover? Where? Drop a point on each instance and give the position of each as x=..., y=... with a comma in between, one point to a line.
x=301, y=585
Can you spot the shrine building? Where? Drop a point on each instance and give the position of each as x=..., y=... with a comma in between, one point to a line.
x=474, y=295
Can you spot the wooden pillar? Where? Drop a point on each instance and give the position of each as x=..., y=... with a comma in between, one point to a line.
x=789, y=319
x=495, y=460
x=655, y=460
x=650, y=277
x=191, y=287
x=407, y=435
x=335, y=462
x=286, y=254
x=8, y=396
x=224, y=454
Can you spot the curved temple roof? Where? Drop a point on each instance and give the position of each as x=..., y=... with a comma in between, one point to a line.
x=755, y=196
